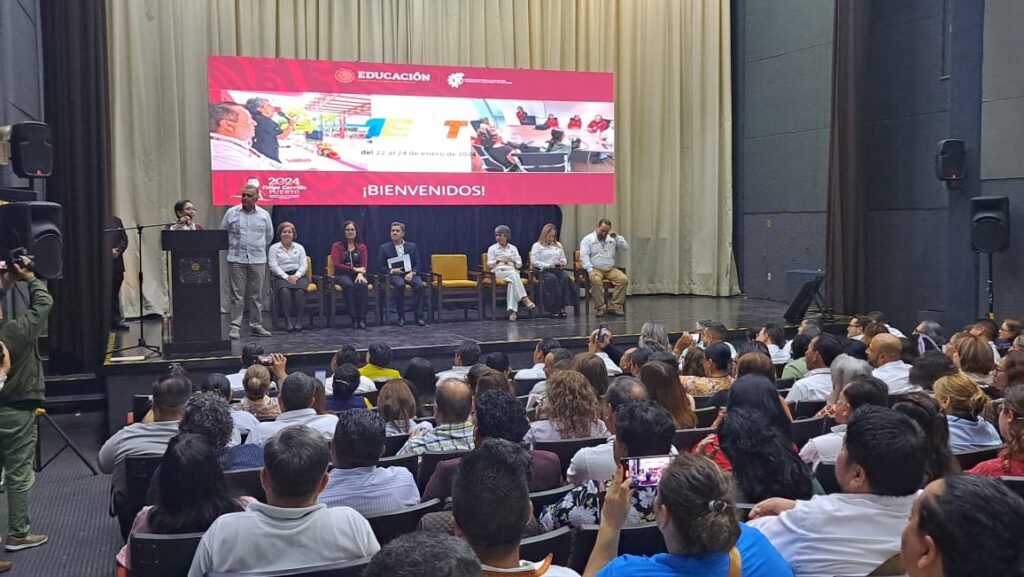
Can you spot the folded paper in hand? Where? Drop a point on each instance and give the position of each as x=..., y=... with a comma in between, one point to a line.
x=401, y=262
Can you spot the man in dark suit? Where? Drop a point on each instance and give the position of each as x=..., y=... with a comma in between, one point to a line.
x=117, y=241
x=399, y=276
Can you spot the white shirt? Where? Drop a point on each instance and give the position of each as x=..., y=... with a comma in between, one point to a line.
x=325, y=424
x=547, y=430
x=534, y=372
x=496, y=251
x=236, y=380
x=460, y=373
x=365, y=385
x=839, y=534
x=249, y=233
x=537, y=394
x=815, y=386
x=609, y=364
x=268, y=538
x=779, y=356
x=600, y=254
x=824, y=447
x=895, y=332
x=245, y=421
x=227, y=153
x=282, y=260
x=544, y=256
x=896, y=374
x=529, y=566
x=370, y=490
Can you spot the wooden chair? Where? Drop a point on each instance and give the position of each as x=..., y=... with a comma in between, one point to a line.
x=410, y=462
x=246, y=482
x=806, y=429
x=706, y=416
x=583, y=281
x=643, y=539
x=557, y=543
x=313, y=303
x=536, y=281
x=138, y=473
x=685, y=439
x=428, y=464
x=566, y=448
x=826, y=476
x=162, y=555
x=490, y=283
x=968, y=459
x=387, y=526
x=542, y=499
x=393, y=444
x=335, y=295
x=354, y=568
x=455, y=284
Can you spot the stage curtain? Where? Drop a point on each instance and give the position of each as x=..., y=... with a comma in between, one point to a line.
x=846, y=237
x=673, y=112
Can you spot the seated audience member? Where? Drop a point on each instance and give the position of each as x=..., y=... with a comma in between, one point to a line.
x=965, y=526
x=860, y=392
x=753, y=362
x=626, y=361
x=296, y=401
x=855, y=329
x=964, y=403
x=844, y=370
x=974, y=359
x=453, y=431
x=816, y=385
x=653, y=335
x=466, y=356
x=356, y=481
x=551, y=360
x=319, y=397
x=250, y=356
x=1009, y=329
x=294, y=474
x=717, y=368
x=663, y=388
x=492, y=380
x=571, y=410
x=925, y=411
x=256, y=402
x=879, y=471
x=209, y=416
x=797, y=368
x=378, y=359
x=499, y=362
x=643, y=429
x=930, y=367
x=545, y=346
x=885, y=354
x=473, y=374
x=1010, y=461
x=348, y=355
x=764, y=461
x=594, y=369
x=692, y=364
x=419, y=373
x=933, y=331
x=757, y=394
x=855, y=349
x=774, y=336
x=1009, y=372
x=603, y=348
x=192, y=493
x=423, y=554
x=883, y=320
x=346, y=381
x=987, y=330
x=218, y=384
x=598, y=463
x=398, y=409
x=495, y=478
x=696, y=515
x=498, y=416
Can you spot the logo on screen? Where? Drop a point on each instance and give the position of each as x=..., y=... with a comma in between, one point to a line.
x=455, y=79
x=345, y=75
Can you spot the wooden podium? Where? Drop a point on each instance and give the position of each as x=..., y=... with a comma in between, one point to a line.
x=195, y=288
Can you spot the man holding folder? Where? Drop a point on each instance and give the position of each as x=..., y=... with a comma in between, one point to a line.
x=400, y=262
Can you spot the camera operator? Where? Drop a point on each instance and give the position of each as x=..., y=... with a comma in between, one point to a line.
x=22, y=393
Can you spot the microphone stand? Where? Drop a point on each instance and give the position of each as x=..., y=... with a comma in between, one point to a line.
x=153, y=350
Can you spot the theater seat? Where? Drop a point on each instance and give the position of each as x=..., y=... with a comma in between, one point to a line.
x=352, y=568
x=162, y=555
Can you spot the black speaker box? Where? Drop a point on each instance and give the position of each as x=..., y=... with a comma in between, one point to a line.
x=950, y=160
x=990, y=223
x=36, y=227
x=31, y=151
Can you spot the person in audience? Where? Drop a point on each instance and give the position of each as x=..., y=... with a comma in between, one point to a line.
x=855, y=349
x=400, y=278
x=548, y=257
x=453, y=431
x=287, y=262
x=597, y=256
x=466, y=356
x=1009, y=372
x=862, y=391
x=556, y=357
x=504, y=261
x=885, y=354
x=930, y=367
x=717, y=368
x=344, y=397
x=256, y=402
x=883, y=320
x=378, y=361
x=987, y=330
x=933, y=331
x=843, y=371
x=594, y=369
x=855, y=329
x=495, y=477
x=397, y=407
x=811, y=327
x=797, y=368
x=217, y=384
x=964, y=526
x=925, y=411
x=474, y=375
x=296, y=401
x=1009, y=329
x=350, y=259
x=598, y=463
x=693, y=363
x=601, y=348
x=492, y=380
x=764, y=461
x=774, y=337
x=498, y=416
x=307, y=533
x=696, y=515
x=974, y=359
x=191, y=493
x=251, y=353
x=642, y=429
x=544, y=346
x=653, y=335
x=1010, y=461
x=879, y=471
x=816, y=385
x=572, y=410
x=420, y=374
x=319, y=397
x=754, y=362
x=758, y=394
x=348, y=355
x=663, y=388
x=964, y=403
x=422, y=554
x=356, y=481
x=209, y=416
x=626, y=361
x=499, y=361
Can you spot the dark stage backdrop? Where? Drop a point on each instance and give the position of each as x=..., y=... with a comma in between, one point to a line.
x=457, y=230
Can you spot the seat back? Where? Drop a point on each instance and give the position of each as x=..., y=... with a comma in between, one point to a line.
x=685, y=439
x=450, y=266
x=566, y=448
x=329, y=269
x=524, y=386
x=162, y=555
x=806, y=429
x=542, y=499
x=428, y=463
x=557, y=543
x=309, y=269
x=643, y=539
x=706, y=416
x=246, y=482
x=1015, y=484
x=387, y=526
x=784, y=383
x=807, y=409
x=826, y=476
x=138, y=474
x=354, y=568
x=410, y=462
x=969, y=459
x=393, y=444
x=702, y=402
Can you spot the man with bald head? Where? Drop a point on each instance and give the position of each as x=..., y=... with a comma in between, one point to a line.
x=884, y=353
x=598, y=463
x=453, y=402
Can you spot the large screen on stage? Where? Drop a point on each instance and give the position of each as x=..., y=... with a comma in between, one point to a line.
x=317, y=132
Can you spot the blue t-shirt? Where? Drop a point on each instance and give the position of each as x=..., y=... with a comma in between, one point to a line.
x=759, y=558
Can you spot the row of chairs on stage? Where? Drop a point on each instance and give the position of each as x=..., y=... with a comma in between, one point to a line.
x=450, y=282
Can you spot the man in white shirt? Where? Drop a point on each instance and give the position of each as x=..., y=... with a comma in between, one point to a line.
x=491, y=479
x=466, y=356
x=296, y=402
x=855, y=330
x=882, y=318
x=810, y=327
x=879, y=470
x=597, y=256
x=231, y=132
x=816, y=385
x=251, y=354
x=347, y=355
x=250, y=230
x=598, y=463
x=860, y=392
x=290, y=531
x=551, y=361
x=545, y=346
x=774, y=337
x=885, y=354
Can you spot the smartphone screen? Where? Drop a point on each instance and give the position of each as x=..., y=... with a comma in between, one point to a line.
x=646, y=471
x=695, y=337
x=601, y=332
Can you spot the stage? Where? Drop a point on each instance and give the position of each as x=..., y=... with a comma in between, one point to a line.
x=311, y=349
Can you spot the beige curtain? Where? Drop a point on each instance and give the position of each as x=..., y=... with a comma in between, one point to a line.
x=673, y=106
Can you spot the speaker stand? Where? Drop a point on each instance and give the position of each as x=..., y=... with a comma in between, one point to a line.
x=990, y=291
x=153, y=350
